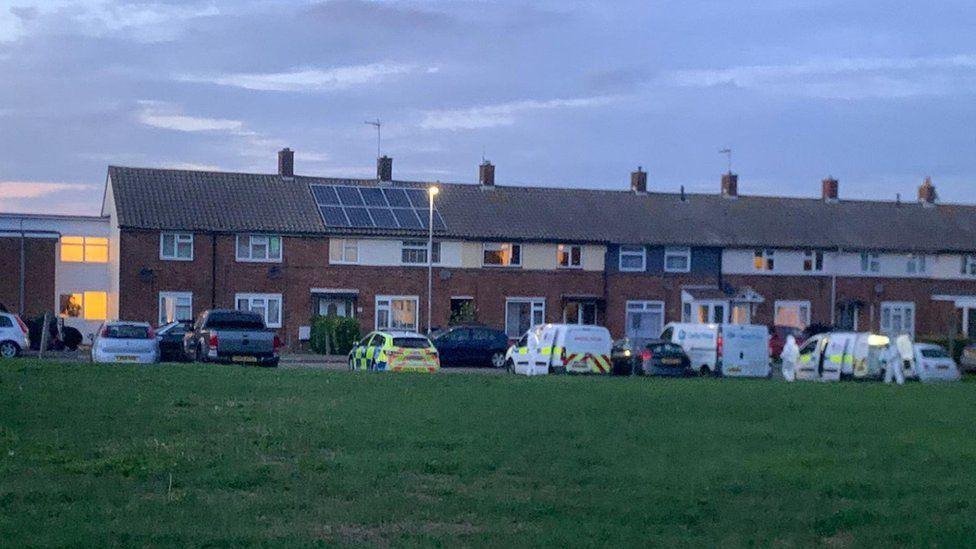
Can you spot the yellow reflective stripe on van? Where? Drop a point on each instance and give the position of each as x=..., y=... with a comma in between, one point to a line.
x=545, y=351
x=523, y=350
x=804, y=358
x=835, y=359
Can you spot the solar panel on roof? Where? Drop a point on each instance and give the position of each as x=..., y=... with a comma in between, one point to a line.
x=359, y=217
x=349, y=196
x=418, y=197
x=397, y=198
x=407, y=218
x=372, y=197
x=333, y=216
x=383, y=218
x=368, y=207
x=324, y=195
x=424, y=216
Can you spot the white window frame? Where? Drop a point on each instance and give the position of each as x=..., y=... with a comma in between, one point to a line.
x=969, y=265
x=916, y=264
x=420, y=245
x=579, y=313
x=345, y=246
x=632, y=252
x=255, y=239
x=778, y=304
x=870, y=262
x=816, y=259
x=266, y=298
x=175, y=296
x=890, y=306
x=768, y=258
x=537, y=305
x=178, y=238
x=679, y=252
x=388, y=306
x=643, y=306
x=568, y=250
x=497, y=247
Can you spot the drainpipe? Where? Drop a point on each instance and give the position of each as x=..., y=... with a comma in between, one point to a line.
x=213, y=270
x=23, y=269
x=833, y=300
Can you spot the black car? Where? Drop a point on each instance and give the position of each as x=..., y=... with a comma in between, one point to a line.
x=471, y=346
x=653, y=357
x=170, y=338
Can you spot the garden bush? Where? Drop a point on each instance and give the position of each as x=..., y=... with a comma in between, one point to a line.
x=334, y=335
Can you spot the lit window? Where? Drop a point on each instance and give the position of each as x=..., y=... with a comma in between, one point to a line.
x=813, y=261
x=259, y=248
x=632, y=258
x=266, y=305
x=764, y=260
x=870, y=263
x=569, y=256
x=498, y=254
x=176, y=246
x=414, y=252
x=396, y=313
x=96, y=305
x=84, y=249
x=344, y=250
x=175, y=306
x=71, y=305
x=677, y=260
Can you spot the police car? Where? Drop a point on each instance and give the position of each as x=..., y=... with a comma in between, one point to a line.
x=395, y=351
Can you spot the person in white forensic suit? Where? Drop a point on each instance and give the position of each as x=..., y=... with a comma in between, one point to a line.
x=789, y=357
x=898, y=354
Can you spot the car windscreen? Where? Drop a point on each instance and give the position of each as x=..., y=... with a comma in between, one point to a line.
x=235, y=321
x=126, y=331
x=411, y=342
x=669, y=348
x=934, y=353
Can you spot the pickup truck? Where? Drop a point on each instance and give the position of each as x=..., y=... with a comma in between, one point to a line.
x=225, y=335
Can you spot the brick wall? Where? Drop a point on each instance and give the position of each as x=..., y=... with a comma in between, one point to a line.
x=40, y=255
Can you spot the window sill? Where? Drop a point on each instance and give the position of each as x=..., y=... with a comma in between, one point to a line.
x=185, y=259
x=242, y=260
x=502, y=266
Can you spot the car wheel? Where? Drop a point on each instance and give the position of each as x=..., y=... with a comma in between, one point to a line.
x=351, y=364
x=704, y=371
x=197, y=355
x=498, y=360
x=9, y=349
x=510, y=366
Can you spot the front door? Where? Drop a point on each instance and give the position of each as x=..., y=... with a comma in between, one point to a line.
x=333, y=306
x=707, y=312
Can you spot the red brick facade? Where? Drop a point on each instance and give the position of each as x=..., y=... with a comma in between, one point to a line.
x=40, y=255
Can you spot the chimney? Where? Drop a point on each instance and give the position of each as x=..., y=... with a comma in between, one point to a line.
x=730, y=185
x=926, y=193
x=830, y=188
x=286, y=162
x=638, y=181
x=486, y=174
x=384, y=168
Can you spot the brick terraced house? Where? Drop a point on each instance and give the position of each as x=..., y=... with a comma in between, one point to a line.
x=292, y=246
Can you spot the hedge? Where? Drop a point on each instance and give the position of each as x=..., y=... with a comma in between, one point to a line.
x=334, y=335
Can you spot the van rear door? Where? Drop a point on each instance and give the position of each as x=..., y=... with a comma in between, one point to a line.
x=745, y=350
x=587, y=349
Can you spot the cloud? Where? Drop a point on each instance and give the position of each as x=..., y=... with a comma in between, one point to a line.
x=310, y=79
x=17, y=190
x=159, y=114
x=502, y=114
x=844, y=78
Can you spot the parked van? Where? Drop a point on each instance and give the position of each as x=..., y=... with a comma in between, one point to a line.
x=738, y=350
x=833, y=355
x=561, y=348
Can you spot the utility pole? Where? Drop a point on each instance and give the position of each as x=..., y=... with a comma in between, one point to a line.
x=728, y=154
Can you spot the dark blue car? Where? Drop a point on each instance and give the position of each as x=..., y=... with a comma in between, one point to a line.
x=471, y=346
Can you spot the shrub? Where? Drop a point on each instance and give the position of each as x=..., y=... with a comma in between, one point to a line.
x=334, y=335
x=463, y=314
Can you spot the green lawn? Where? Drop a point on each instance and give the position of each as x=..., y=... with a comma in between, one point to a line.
x=223, y=455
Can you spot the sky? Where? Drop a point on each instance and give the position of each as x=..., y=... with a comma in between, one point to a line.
x=554, y=93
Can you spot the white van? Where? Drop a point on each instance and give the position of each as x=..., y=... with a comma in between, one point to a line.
x=738, y=350
x=834, y=355
x=561, y=348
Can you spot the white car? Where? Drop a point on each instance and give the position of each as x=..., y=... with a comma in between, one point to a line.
x=122, y=341
x=933, y=363
x=13, y=335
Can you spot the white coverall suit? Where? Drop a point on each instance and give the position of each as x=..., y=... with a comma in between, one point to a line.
x=789, y=357
x=897, y=352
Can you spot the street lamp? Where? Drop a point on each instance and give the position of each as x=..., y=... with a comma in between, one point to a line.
x=431, y=192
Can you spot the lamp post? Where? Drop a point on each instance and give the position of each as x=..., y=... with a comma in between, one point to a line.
x=431, y=193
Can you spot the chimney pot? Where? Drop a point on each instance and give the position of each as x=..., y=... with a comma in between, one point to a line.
x=638, y=181
x=486, y=174
x=926, y=192
x=830, y=188
x=384, y=168
x=730, y=185
x=286, y=162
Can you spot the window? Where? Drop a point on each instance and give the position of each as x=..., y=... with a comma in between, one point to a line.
x=897, y=318
x=764, y=260
x=499, y=254
x=569, y=256
x=813, y=261
x=522, y=314
x=87, y=305
x=870, y=263
x=343, y=250
x=632, y=258
x=266, y=305
x=677, y=260
x=176, y=246
x=915, y=264
x=645, y=319
x=969, y=265
x=579, y=312
x=71, y=305
x=792, y=313
x=174, y=306
x=84, y=249
x=260, y=248
x=396, y=313
x=414, y=252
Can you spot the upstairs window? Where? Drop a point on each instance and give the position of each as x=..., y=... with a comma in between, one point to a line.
x=344, y=250
x=414, y=252
x=916, y=264
x=632, y=259
x=569, y=256
x=259, y=248
x=176, y=246
x=677, y=259
x=764, y=260
x=84, y=249
x=813, y=261
x=870, y=263
x=502, y=254
x=969, y=265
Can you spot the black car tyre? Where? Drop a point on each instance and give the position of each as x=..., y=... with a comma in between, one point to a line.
x=9, y=349
x=351, y=365
x=198, y=356
x=510, y=366
x=704, y=371
x=498, y=360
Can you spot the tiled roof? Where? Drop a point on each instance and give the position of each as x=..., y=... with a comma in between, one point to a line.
x=219, y=201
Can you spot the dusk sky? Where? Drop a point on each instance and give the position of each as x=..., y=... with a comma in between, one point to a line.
x=555, y=93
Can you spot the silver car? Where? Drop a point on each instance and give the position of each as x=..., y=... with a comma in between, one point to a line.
x=120, y=342
x=13, y=335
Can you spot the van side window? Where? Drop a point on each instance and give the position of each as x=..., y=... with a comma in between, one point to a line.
x=667, y=334
x=523, y=342
x=809, y=347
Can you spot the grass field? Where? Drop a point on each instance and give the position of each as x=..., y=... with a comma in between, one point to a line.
x=222, y=455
